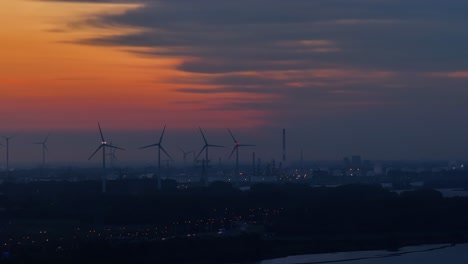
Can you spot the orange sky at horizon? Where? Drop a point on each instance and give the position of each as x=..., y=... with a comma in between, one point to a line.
x=51, y=80
x=46, y=80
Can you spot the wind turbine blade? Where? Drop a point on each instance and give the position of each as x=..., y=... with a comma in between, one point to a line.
x=114, y=147
x=166, y=153
x=100, y=131
x=162, y=135
x=201, y=151
x=45, y=140
x=149, y=146
x=232, y=152
x=203, y=135
x=233, y=138
x=115, y=157
x=46, y=148
x=216, y=146
x=247, y=145
x=95, y=152
x=185, y=153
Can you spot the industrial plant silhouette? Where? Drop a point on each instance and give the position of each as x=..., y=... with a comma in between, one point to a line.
x=204, y=212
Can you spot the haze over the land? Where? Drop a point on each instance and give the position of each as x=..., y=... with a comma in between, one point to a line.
x=386, y=79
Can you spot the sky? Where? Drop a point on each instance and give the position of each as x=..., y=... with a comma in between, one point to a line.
x=385, y=79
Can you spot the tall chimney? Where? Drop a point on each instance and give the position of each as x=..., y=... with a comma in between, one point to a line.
x=302, y=160
x=253, y=166
x=284, y=144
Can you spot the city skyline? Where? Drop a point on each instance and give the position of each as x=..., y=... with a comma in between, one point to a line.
x=79, y=145
x=383, y=79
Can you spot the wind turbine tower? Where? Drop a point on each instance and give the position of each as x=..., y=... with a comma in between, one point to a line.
x=44, y=149
x=185, y=155
x=7, y=139
x=284, y=144
x=237, y=145
x=113, y=157
x=160, y=147
x=206, y=147
x=103, y=146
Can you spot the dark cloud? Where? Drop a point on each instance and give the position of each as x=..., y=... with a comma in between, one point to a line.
x=249, y=35
x=343, y=65
x=97, y=1
x=230, y=89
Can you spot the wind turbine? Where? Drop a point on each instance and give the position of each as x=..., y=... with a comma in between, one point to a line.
x=160, y=147
x=112, y=156
x=205, y=147
x=103, y=146
x=237, y=145
x=7, y=139
x=1, y=145
x=185, y=155
x=44, y=148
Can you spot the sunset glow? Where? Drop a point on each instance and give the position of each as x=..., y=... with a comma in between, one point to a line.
x=137, y=65
x=47, y=74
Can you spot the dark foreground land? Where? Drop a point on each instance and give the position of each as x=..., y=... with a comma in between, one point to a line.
x=59, y=222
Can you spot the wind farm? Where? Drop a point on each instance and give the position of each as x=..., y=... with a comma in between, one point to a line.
x=247, y=131
x=190, y=168
x=226, y=203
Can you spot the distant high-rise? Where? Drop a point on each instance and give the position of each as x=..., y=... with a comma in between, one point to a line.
x=356, y=161
x=302, y=160
x=253, y=166
x=346, y=162
x=284, y=144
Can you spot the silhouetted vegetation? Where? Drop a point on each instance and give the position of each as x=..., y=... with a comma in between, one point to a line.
x=294, y=218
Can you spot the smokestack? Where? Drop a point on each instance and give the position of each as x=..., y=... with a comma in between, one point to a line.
x=302, y=160
x=284, y=144
x=253, y=166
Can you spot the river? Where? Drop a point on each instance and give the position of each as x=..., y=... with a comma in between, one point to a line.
x=428, y=254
